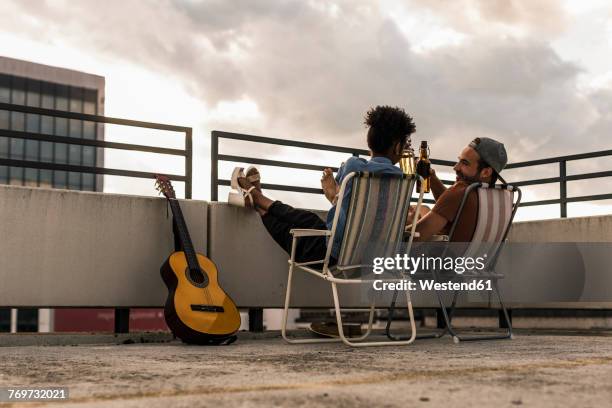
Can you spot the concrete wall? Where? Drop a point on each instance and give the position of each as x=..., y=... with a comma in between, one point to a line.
x=560, y=263
x=254, y=268
x=67, y=248
x=580, y=229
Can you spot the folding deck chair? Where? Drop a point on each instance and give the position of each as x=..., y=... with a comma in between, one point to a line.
x=496, y=209
x=375, y=223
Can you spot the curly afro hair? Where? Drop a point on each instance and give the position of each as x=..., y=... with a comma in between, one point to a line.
x=388, y=126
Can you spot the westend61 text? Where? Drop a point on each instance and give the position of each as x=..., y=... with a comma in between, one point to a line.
x=404, y=284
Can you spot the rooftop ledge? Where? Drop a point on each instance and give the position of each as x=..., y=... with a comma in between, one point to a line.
x=80, y=249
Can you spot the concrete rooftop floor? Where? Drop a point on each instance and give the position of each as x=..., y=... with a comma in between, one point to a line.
x=535, y=370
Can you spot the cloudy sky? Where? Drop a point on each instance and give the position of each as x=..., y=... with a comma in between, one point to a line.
x=535, y=74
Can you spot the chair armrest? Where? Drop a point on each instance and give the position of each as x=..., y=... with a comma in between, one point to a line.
x=296, y=232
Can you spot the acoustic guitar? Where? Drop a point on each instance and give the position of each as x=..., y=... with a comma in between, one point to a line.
x=197, y=310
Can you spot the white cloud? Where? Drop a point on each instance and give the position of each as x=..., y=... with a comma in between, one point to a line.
x=241, y=110
x=309, y=70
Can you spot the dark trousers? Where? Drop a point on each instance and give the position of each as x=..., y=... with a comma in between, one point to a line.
x=281, y=218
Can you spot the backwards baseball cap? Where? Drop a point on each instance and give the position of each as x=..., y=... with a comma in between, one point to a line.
x=491, y=151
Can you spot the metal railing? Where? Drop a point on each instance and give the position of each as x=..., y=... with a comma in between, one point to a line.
x=562, y=179
x=187, y=152
x=215, y=182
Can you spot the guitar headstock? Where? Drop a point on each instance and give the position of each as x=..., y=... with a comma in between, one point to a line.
x=164, y=186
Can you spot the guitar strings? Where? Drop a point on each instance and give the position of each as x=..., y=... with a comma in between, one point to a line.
x=172, y=203
x=207, y=295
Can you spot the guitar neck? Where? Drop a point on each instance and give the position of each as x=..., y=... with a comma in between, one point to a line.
x=184, y=236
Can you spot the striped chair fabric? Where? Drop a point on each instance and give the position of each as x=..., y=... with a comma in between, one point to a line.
x=495, y=206
x=375, y=222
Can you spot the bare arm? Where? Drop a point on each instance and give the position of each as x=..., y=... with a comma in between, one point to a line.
x=429, y=225
x=437, y=187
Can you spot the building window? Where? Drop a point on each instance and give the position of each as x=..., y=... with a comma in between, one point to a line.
x=17, y=147
x=89, y=156
x=17, y=121
x=31, y=177
x=46, y=178
x=5, y=97
x=31, y=150
x=4, y=119
x=46, y=152
x=16, y=176
x=4, y=147
x=5, y=88
x=74, y=180
x=47, y=95
x=74, y=154
x=88, y=180
x=61, y=153
x=60, y=179
x=46, y=125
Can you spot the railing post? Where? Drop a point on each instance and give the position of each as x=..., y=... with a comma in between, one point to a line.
x=563, y=188
x=214, y=166
x=122, y=320
x=502, y=318
x=188, y=163
x=440, y=322
x=256, y=319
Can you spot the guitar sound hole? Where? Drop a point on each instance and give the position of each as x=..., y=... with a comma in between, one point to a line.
x=197, y=277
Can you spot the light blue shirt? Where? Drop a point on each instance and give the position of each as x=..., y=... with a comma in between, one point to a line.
x=380, y=165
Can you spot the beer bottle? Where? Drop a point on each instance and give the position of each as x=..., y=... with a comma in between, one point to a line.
x=423, y=166
x=407, y=161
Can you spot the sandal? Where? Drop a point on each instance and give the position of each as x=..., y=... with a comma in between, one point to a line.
x=239, y=196
x=253, y=176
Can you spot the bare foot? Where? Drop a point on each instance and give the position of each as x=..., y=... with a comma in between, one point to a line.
x=253, y=176
x=246, y=186
x=329, y=185
x=260, y=202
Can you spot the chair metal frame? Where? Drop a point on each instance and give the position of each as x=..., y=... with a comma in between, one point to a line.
x=447, y=313
x=326, y=274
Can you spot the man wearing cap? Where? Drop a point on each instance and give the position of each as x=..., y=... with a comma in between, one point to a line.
x=481, y=161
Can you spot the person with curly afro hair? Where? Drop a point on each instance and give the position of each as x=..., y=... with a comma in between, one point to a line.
x=388, y=131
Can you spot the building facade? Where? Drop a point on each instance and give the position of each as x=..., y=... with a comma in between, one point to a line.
x=37, y=85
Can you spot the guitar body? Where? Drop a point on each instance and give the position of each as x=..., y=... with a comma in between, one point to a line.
x=197, y=310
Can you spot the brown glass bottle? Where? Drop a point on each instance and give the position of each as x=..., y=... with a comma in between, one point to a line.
x=423, y=166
